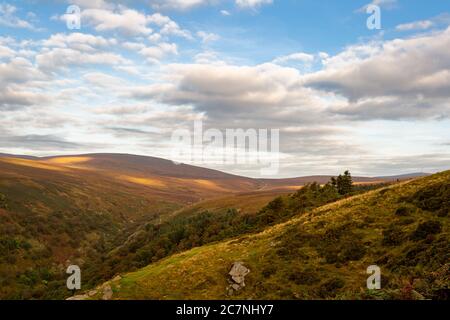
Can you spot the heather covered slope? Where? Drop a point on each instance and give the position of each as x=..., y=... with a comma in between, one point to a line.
x=52, y=216
x=324, y=253
x=69, y=210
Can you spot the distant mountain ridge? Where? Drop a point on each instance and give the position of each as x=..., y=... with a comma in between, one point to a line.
x=164, y=167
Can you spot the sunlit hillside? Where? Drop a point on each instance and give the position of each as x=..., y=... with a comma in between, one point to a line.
x=322, y=254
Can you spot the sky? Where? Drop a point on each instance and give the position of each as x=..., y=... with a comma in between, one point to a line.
x=342, y=95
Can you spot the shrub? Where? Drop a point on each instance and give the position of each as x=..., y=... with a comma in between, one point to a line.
x=330, y=287
x=392, y=236
x=353, y=251
x=433, y=198
x=275, y=204
x=443, y=212
x=426, y=228
x=303, y=277
x=406, y=222
x=402, y=211
x=269, y=270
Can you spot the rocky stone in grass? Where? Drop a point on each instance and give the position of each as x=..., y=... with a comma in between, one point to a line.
x=92, y=293
x=79, y=297
x=238, y=273
x=107, y=292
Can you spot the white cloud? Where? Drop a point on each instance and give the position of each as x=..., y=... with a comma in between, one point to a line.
x=155, y=37
x=130, y=22
x=79, y=41
x=6, y=52
x=299, y=57
x=18, y=87
x=8, y=17
x=159, y=19
x=225, y=13
x=14, y=98
x=441, y=20
x=157, y=53
x=168, y=26
x=130, y=69
x=133, y=46
x=63, y=58
x=127, y=21
x=402, y=78
x=397, y=79
x=252, y=4
x=207, y=57
x=417, y=25
x=207, y=37
x=178, y=4
x=99, y=4
x=384, y=3
x=224, y=91
x=18, y=70
x=103, y=80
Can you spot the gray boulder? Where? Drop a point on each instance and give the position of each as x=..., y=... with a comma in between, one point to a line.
x=238, y=273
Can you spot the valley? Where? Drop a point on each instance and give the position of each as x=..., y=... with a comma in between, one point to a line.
x=113, y=214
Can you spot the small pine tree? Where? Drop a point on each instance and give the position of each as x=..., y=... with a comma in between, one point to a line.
x=348, y=182
x=343, y=183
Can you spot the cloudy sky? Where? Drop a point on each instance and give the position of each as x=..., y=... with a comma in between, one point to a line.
x=376, y=102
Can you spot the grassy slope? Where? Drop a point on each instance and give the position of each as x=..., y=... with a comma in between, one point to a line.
x=244, y=202
x=322, y=254
x=207, y=221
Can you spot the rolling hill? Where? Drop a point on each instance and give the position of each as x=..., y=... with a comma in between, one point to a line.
x=321, y=254
x=56, y=211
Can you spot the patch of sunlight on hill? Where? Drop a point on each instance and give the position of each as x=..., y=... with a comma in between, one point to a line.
x=144, y=181
x=68, y=160
x=293, y=188
x=32, y=164
x=209, y=184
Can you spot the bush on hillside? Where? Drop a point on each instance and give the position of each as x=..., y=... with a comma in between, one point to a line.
x=393, y=236
x=433, y=198
x=425, y=229
x=329, y=288
x=402, y=211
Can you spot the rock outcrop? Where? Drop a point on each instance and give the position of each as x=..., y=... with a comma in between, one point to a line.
x=238, y=273
x=105, y=291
